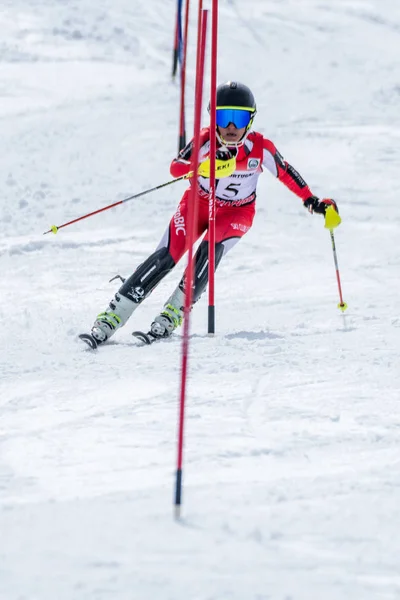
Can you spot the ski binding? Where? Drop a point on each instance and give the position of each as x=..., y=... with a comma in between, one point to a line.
x=146, y=338
x=89, y=340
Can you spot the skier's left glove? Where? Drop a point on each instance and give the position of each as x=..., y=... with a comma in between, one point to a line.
x=315, y=205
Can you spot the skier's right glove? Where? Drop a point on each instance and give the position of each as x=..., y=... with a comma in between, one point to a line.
x=225, y=164
x=315, y=205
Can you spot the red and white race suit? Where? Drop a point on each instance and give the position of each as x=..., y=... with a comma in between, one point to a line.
x=235, y=195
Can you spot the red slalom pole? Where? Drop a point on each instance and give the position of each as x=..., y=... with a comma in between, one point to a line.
x=182, y=124
x=213, y=150
x=175, y=57
x=198, y=51
x=192, y=222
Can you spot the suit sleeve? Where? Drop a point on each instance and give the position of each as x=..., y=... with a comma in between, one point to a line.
x=181, y=164
x=278, y=166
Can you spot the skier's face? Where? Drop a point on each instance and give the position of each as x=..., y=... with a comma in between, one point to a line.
x=231, y=133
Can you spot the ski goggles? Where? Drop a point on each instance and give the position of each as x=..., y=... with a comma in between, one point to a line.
x=240, y=117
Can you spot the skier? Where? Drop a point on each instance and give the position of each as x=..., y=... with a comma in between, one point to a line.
x=241, y=156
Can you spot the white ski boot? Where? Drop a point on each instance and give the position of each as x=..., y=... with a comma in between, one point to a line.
x=114, y=317
x=167, y=321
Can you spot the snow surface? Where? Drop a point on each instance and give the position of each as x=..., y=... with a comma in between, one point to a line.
x=292, y=451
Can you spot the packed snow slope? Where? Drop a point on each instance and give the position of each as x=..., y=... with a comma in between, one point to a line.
x=292, y=440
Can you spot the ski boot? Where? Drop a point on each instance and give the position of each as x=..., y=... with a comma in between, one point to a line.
x=166, y=322
x=116, y=315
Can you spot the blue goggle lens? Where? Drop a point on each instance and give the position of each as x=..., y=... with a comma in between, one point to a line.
x=240, y=118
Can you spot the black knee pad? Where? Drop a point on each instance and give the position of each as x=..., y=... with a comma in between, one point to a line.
x=143, y=281
x=201, y=267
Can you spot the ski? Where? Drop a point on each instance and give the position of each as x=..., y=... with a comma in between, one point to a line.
x=146, y=338
x=89, y=340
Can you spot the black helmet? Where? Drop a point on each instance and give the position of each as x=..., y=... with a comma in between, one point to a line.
x=235, y=94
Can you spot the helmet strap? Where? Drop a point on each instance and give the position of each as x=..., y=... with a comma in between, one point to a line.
x=238, y=144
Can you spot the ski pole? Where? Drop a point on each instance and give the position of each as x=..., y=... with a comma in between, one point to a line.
x=55, y=228
x=332, y=220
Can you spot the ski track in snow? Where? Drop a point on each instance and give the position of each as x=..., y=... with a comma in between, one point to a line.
x=292, y=438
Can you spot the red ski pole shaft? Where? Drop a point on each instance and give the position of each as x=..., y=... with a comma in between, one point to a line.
x=55, y=228
x=342, y=305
